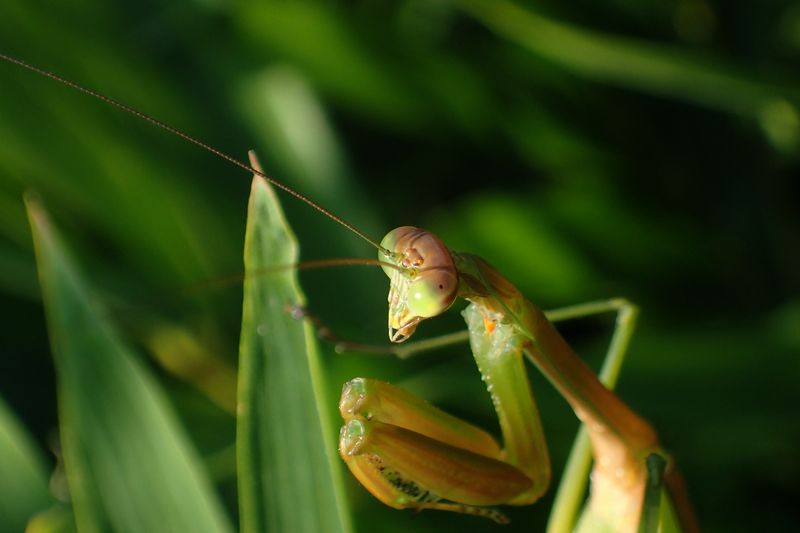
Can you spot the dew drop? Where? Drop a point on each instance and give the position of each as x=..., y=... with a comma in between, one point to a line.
x=261, y=330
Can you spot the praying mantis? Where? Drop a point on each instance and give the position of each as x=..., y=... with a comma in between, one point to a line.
x=409, y=454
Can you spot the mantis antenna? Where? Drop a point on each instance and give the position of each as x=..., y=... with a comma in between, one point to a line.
x=185, y=136
x=313, y=264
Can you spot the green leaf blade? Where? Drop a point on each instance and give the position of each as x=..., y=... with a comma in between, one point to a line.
x=289, y=475
x=129, y=465
x=23, y=479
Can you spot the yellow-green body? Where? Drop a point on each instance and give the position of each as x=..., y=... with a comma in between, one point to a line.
x=618, y=435
x=411, y=455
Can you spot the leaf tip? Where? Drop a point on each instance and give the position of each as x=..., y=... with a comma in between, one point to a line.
x=36, y=212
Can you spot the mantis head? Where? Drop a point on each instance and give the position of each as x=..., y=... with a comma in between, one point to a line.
x=423, y=282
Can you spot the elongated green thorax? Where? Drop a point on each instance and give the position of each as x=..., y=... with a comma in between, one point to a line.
x=621, y=439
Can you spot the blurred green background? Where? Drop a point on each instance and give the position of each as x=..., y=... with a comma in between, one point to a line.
x=586, y=149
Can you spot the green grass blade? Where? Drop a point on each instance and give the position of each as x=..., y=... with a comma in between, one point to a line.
x=653, y=493
x=56, y=519
x=631, y=63
x=289, y=475
x=23, y=479
x=669, y=522
x=128, y=463
x=572, y=489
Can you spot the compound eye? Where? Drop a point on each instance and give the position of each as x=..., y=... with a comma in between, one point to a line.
x=390, y=242
x=432, y=293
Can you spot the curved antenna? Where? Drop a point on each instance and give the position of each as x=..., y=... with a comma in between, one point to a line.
x=224, y=281
x=313, y=264
x=185, y=136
